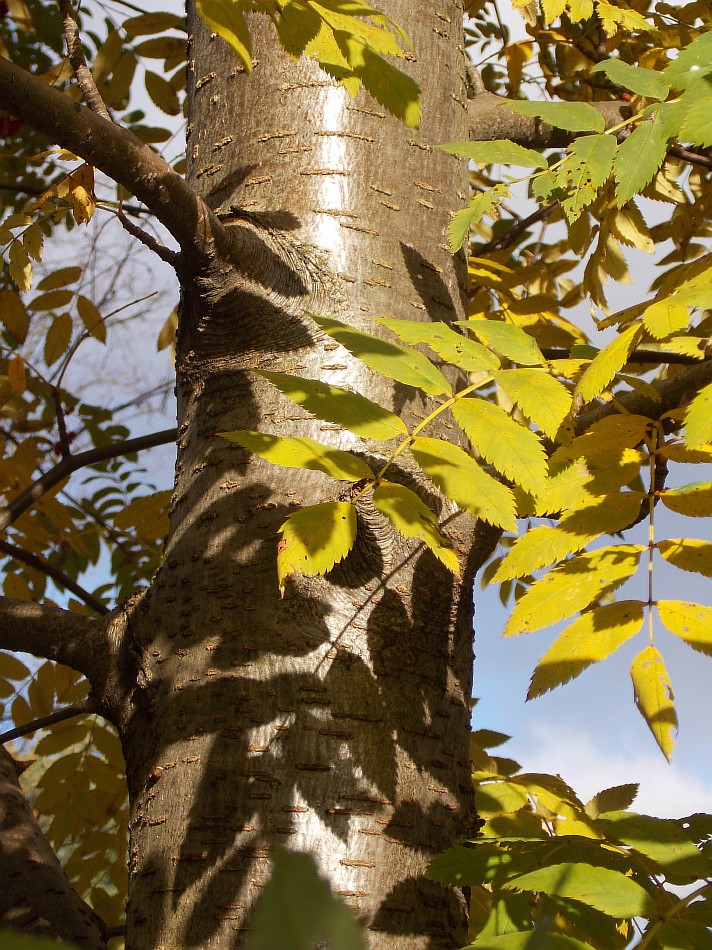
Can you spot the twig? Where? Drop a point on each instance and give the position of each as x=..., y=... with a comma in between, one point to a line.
x=69, y=712
x=61, y=422
x=688, y=155
x=165, y=253
x=57, y=575
x=75, y=54
x=637, y=356
x=71, y=463
x=510, y=236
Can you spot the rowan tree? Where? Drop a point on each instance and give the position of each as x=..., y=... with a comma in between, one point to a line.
x=366, y=412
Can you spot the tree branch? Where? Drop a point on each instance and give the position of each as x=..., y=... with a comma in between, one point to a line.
x=120, y=155
x=71, y=463
x=58, y=576
x=673, y=393
x=36, y=896
x=75, y=54
x=491, y=120
x=54, y=634
x=60, y=715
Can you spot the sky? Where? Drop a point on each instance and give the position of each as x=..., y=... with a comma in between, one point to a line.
x=589, y=731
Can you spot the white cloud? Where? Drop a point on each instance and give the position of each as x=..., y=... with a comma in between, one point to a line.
x=668, y=791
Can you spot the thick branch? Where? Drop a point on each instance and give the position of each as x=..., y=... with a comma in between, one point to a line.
x=119, y=154
x=71, y=463
x=58, y=576
x=673, y=392
x=491, y=120
x=51, y=633
x=36, y=896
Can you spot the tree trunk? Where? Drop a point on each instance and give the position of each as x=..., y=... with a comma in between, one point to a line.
x=332, y=720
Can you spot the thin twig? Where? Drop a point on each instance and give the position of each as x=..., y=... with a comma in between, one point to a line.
x=57, y=575
x=688, y=155
x=165, y=253
x=69, y=712
x=510, y=236
x=637, y=356
x=71, y=463
x=61, y=422
x=75, y=54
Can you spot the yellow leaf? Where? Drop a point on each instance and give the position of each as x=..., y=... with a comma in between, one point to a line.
x=412, y=518
x=13, y=314
x=654, y=697
x=573, y=586
x=58, y=338
x=162, y=93
x=688, y=554
x=167, y=336
x=16, y=374
x=32, y=241
x=594, y=636
x=20, y=266
x=91, y=318
x=315, y=539
x=694, y=500
x=691, y=622
x=607, y=363
x=148, y=515
x=52, y=300
x=60, y=278
x=81, y=193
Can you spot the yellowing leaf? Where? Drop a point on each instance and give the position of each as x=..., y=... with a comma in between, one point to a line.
x=91, y=318
x=167, y=335
x=654, y=697
x=58, y=338
x=639, y=157
x=13, y=314
x=694, y=500
x=504, y=151
x=698, y=419
x=52, y=300
x=81, y=193
x=162, y=94
x=593, y=637
x=453, y=347
x=20, y=266
x=147, y=515
x=608, y=891
x=484, y=203
x=315, y=539
x=60, y=278
x=572, y=116
x=16, y=375
x=459, y=477
x=513, y=449
x=691, y=622
x=350, y=410
x=228, y=21
x=412, y=518
x=572, y=587
x=33, y=241
x=511, y=341
x=295, y=451
x=540, y=397
x=396, y=362
x=607, y=363
x=614, y=18
x=150, y=23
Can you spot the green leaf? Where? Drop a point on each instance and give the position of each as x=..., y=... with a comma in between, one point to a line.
x=642, y=81
x=225, y=18
x=692, y=64
x=396, y=91
x=389, y=359
x=694, y=500
x=691, y=622
x=573, y=586
x=509, y=340
x=663, y=840
x=315, y=539
x=297, y=910
x=514, y=450
x=639, y=157
x=601, y=888
x=572, y=116
x=679, y=934
x=481, y=204
x=607, y=363
x=466, y=866
x=688, y=554
x=593, y=637
x=497, y=798
x=504, y=151
x=412, y=518
x=295, y=451
x=459, y=477
x=654, y=697
x=541, y=398
x=529, y=940
x=698, y=419
x=451, y=346
x=350, y=410
x=612, y=799
x=697, y=124
x=586, y=168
